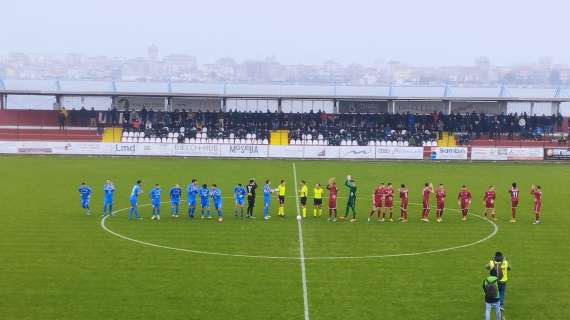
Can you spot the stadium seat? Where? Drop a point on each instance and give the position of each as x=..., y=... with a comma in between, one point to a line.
x=124, y=139
x=406, y=143
x=343, y=143
x=204, y=135
x=242, y=141
x=253, y=136
x=226, y=141
x=191, y=140
x=146, y=140
x=383, y=143
x=326, y=142
x=320, y=137
x=434, y=144
x=400, y=144
x=176, y=135
x=170, y=135
x=292, y=141
x=232, y=136
x=303, y=137
x=204, y=129
x=125, y=134
x=309, y=136
x=186, y=140
x=265, y=141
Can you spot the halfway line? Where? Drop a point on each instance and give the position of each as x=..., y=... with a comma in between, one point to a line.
x=301, y=248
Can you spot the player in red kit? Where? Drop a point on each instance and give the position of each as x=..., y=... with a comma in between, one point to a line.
x=389, y=200
x=514, y=192
x=331, y=187
x=464, y=200
x=439, y=202
x=489, y=202
x=426, y=192
x=377, y=202
x=403, y=203
x=537, y=193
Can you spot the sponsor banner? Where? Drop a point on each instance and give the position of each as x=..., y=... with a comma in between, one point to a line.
x=321, y=152
x=441, y=153
x=413, y=153
x=504, y=154
x=197, y=150
x=356, y=152
x=294, y=151
x=243, y=151
x=557, y=154
x=497, y=154
x=525, y=153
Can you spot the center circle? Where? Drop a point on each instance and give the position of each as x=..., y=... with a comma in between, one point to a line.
x=494, y=231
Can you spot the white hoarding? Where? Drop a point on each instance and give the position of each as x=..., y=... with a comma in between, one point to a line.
x=243, y=151
x=413, y=153
x=451, y=153
x=356, y=152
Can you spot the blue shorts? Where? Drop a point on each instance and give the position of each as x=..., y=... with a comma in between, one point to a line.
x=218, y=204
x=267, y=201
x=175, y=203
x=205, y=202
x=133, y=201
x=156, y=203
x=240, y=201
x=107, y=201
x=192, y=202
x=84, y=203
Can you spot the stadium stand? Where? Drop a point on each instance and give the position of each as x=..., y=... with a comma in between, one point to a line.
x=311, y=128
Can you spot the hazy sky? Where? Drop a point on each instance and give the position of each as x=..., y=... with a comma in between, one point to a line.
x=424, y=32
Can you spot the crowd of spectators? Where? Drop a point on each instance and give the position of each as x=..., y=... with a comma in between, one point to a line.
x=362, y=128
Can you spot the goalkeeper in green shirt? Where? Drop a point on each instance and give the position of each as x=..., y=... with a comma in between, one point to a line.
x=351, y=202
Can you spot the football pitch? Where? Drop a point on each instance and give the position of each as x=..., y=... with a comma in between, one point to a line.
x=58, y=263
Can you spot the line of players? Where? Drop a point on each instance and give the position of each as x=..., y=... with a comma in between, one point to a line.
x=382, y=200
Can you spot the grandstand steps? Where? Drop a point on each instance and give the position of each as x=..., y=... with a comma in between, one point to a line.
x=112, y=134
x=48, y=135
x=447, y=140
x=279, y=137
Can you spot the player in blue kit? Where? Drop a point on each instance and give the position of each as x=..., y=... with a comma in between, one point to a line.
x=266, y=199
x=154, y=195
x=204, y=194
x=108, y=191
x=217, y=198
x=239, y=197
x=133, y=199
x=175, y=193
x=192, y=192
x=85, y=196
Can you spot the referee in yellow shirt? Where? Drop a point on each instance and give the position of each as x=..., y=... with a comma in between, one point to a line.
x=281, y=195
x=303, y=192
x=318, y=201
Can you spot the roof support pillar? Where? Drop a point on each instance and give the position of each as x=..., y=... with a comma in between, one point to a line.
x=168, y=104
x=279, y=105
x=531, y=108
x=58, y=99
x=224, y=105
x=2, y=102
x=448, y=107
x=335, y=106
x=392, y=108
x=555, y=107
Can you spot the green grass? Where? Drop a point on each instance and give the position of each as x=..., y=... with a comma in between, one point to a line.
x=57, y=263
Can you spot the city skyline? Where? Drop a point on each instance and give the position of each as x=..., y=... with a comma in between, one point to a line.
x=151, y=65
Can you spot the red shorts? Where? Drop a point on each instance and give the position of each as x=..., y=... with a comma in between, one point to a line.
x=377, y=204
x=489, y=205
x=464, y=205
x=514, y=203
x=404, y=203
x=388, y=203
x=537, y=206
x=425, y=204
x=332, y=203
x=440, y=205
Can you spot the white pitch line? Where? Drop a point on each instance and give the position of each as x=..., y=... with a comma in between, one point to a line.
x=238, y=255
x=301, y=249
